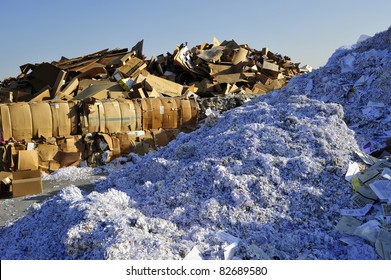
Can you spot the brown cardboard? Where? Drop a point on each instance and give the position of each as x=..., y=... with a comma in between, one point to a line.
x=157, y=112
x=21, y=121
x=102, y=117
x=96, y=88
x=239, y=56
x=90, y=118
x=45, y=74
x=146, y=114
x=5, y=177
x=70, y=154
x=43, y=94
x=96, y=70
x=270, y=69
x=61, y=123
x=26, y=183
x=28, y=160
x=137, y=107
x=212, y=54
x=74, y=116
x=170, y=116
x=131, y=66
x=128, y=115
x=58, y=83
x=127, y=143
x=41, y=119
x=5, y=124
x=70, y=87
x=164, y=86
x=47, y=152
x=160, y=137
x=189, y=113
x=229, y=78
x=112, y=116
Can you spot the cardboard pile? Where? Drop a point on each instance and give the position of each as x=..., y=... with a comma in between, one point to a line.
x=207, y=70
x=93, y=108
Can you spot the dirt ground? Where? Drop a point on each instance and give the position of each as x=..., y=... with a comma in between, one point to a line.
x=13, y=208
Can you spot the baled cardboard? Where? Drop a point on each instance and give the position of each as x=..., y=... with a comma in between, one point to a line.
x=74, y=116
x=112, y=116
x=41, y=119
x=139, y=120
x=26, y=182
x=157, y=112
x=5, y=125
x=21, y=121
x=128, y=114
x=170, y=116
x=61, y=123
x=102, y=116
x=28, y=160
x=146, y=114
x=189, y=113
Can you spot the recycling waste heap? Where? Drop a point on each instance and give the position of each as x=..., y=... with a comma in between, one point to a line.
x=91, y=109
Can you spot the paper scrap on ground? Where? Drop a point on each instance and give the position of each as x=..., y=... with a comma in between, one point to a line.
x=194, y=254
x=348, y=225
x=368, y=159
x=352, y=171
x=356, y=212
x=386, y=173
x=382, y=188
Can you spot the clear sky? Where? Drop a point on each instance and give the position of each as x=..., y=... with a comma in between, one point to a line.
x=34, y=31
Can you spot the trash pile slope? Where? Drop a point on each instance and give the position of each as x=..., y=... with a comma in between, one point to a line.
x=268, y=174
x=358, y=77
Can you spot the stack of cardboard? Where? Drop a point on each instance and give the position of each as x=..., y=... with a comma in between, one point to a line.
x=207, y=70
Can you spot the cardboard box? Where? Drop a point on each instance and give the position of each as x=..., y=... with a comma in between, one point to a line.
x=28, y=160
x=27, y=182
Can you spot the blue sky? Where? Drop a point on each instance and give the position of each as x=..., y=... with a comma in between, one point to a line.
x=307, y=31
